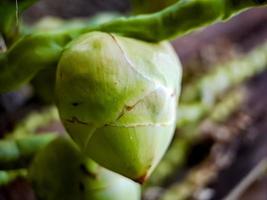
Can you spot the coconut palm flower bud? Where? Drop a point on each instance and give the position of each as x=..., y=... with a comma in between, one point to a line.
x=60, y=171
x=117, y=98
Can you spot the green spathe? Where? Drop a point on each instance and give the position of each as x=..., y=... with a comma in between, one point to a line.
x=60, y=171
x=117, y=98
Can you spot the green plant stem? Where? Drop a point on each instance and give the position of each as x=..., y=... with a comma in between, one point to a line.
x=29, y=55
x=177, y=19
x=17, y=153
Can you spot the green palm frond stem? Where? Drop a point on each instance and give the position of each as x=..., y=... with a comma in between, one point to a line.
x=177, y=19
x=18, y=153
x=49, y=23
x=28, y=56
x=36, y=51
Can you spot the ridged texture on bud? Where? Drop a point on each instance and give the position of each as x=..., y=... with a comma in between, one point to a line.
x=61, y=172
x=117, y=98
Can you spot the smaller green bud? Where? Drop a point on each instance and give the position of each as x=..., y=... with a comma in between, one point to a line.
x=60, y=171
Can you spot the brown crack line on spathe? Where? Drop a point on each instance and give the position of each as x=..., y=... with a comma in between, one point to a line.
x=128, y=108
x=75, y=120
x=157, y=84
x=131, y=107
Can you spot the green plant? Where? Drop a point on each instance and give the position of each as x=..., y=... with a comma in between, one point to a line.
x=117, y=83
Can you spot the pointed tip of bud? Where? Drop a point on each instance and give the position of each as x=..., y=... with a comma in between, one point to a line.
x=142, y=179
